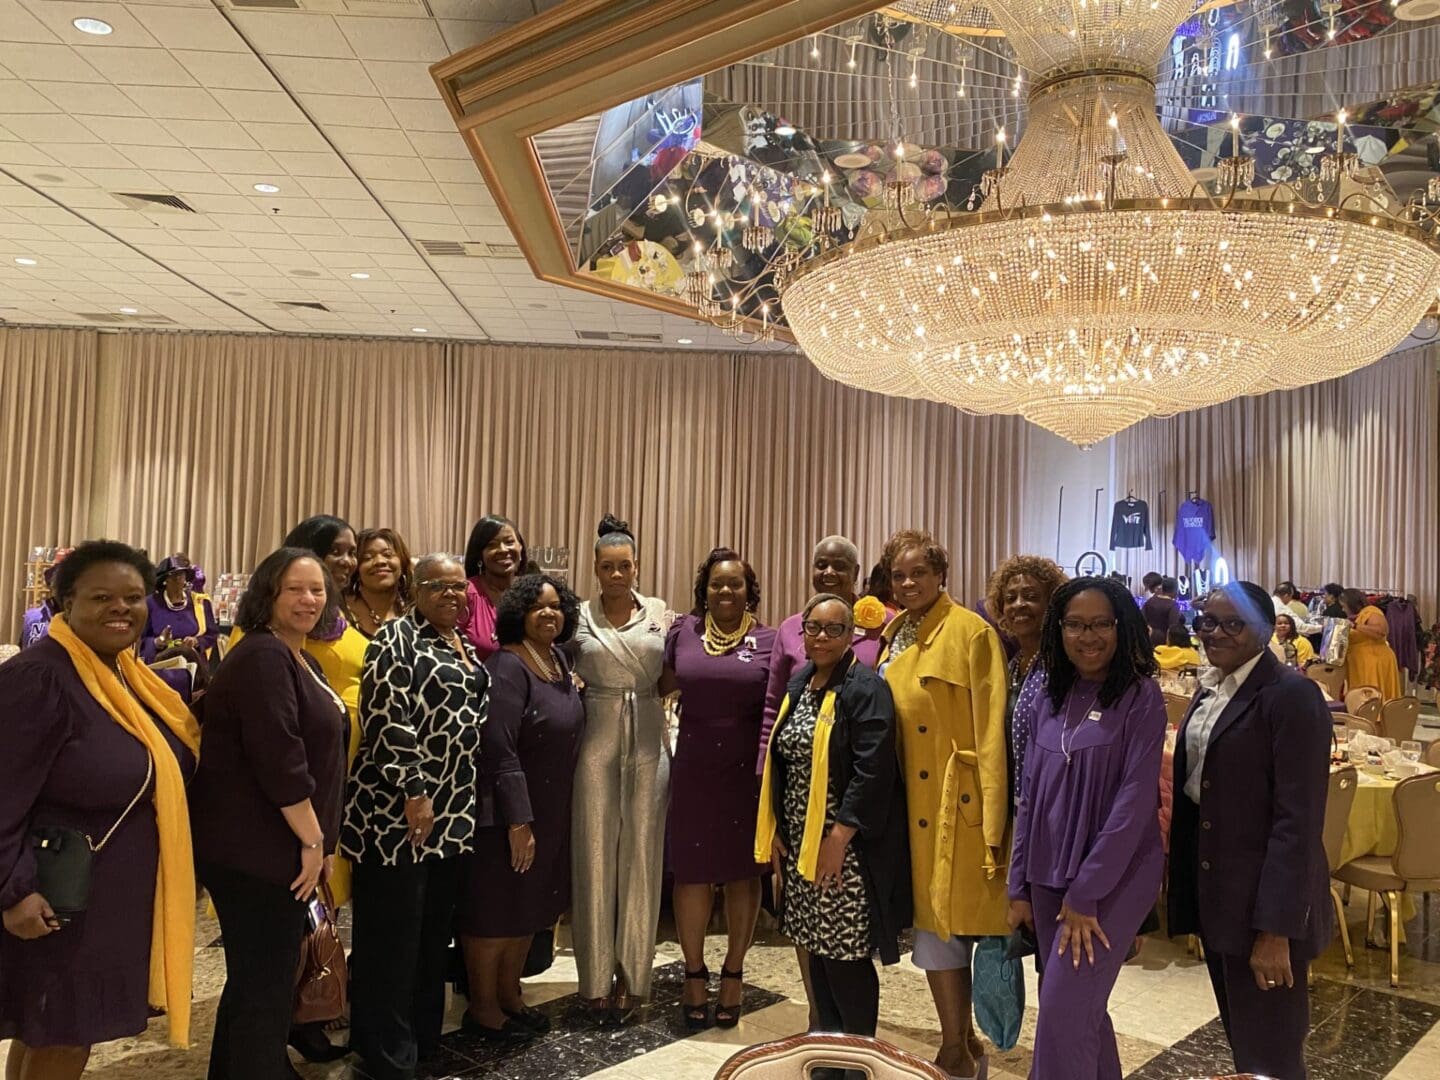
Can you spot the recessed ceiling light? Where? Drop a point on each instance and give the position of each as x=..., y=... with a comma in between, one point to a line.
x=419, y=330
x=359, y=276
x=685, y=341
x=266, y=189
x=92, y=26
x=26, y=262
x=129, y=311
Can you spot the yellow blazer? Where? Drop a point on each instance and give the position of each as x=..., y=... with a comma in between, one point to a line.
x=949, y=690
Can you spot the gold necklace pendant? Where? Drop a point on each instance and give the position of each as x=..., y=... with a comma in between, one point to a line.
x=717, y=642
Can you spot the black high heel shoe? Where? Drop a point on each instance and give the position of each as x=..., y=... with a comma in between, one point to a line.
x=311, y=1043
x=697, y=1017
x=727, y=1016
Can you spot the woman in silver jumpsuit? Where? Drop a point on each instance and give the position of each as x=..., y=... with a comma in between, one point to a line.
x=622, y=783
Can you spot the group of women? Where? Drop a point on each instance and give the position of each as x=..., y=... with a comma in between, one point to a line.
x=461, y=748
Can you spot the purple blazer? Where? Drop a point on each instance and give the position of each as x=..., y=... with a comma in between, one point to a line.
x=1251, y=858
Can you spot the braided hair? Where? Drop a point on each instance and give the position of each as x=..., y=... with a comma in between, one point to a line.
x=1134, y=657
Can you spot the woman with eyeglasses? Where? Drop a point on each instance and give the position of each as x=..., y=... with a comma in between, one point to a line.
x=410, y=816
x=832, y=821
x=1086, y=860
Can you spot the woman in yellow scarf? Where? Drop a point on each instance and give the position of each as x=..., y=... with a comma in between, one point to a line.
x=94, y=742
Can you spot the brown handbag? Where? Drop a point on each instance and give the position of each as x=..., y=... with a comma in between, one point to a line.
x=322, y=980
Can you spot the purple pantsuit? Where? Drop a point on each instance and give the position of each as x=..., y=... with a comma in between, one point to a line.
x=1087, y=835
x=714, y=792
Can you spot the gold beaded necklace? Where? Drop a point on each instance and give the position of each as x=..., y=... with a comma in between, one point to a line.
x=718, y=643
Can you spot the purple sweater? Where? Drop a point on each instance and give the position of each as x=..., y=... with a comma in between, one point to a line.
x=1089, y=825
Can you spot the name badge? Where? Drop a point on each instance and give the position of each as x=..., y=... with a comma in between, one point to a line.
x=1094, y=715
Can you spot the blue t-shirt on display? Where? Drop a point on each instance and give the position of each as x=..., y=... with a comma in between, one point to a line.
x=1194, y=529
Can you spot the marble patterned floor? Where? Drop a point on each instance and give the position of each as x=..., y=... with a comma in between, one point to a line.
x=1162, y=1010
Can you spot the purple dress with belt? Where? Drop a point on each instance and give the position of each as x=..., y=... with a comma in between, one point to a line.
x=1087, y=836
x=66, y=762
x=714, y=792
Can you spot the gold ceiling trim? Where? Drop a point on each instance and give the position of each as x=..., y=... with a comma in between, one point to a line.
x=581, y=58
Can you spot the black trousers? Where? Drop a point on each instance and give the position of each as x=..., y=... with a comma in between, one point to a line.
x=1266, y=1028
x=403, y=920
x=847, y=995
x=261, y=924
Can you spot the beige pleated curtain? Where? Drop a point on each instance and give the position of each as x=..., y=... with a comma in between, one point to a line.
x=217, y=445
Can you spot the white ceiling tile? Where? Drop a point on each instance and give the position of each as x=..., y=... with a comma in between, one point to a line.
x=121, y=179
x=434, y=146
x=423, y=214
x=211, y=134
x=39, y=128
x=424, y=115
x=264, y=106
x=375, y=167
x=90, y=155
x=406, y=191
x=393, y=39
x=338, y=109
x=308, y=75
x=301, y=164
x=250, y=162
x=461, y=34
x=382, y=141
x=56, y=63
x=287, y=137
x=19, y=25
x=226, y=71
x=172, y=103
x=194, y=183
x=137, y=67
x=366, y=209
x=454, y=171
x=327, y=188
x=188, y=27
x=18, y=97
x=468, y=194
x=129, y=130
x=165, y=158
x=287, y=33
x=479, y=216
x=402, y=80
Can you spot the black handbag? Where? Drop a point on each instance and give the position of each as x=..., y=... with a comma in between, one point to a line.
x=64, y=856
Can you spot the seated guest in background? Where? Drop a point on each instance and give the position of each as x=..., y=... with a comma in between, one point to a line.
x=382, y=586
x=1333, y=608
x=1161, y=612
x=1247, y=863
x=180, y=616
x=265, y=805
x=622, y=782
x=94, y=741
x=832, y=819
x=410, y=815
x=36, y=622
x=718, y=658
x=517, y=882
x=1369, y=661
x=1298, y=650
x=1019, y=594
x=494, y=556
x=1178, y=652
x=1086, y=861
x=1287, y=602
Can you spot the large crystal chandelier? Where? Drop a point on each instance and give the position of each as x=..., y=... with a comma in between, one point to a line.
x=1099, y=283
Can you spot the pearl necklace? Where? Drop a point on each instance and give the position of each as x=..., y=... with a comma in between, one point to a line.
x=181, y=606
x=718, y=643
x=549, y=670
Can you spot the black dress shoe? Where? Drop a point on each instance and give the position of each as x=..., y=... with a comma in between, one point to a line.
x=511, y=1034
x=311, y=1043
x=533, y=1019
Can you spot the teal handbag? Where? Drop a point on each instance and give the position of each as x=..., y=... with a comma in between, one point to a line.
x=998, y=992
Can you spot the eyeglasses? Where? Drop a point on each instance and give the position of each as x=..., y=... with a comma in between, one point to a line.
x=1208, y=624
x=1077, y=627
x=832, y=630
x=456, y=588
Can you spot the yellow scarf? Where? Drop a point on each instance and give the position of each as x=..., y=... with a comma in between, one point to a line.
x=172, y=943
x=765, y=824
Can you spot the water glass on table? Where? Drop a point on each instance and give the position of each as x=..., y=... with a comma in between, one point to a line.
x=1410, y=749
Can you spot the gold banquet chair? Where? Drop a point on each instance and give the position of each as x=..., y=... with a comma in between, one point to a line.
x=1338, y=804
x=1356, y=699
x=1399, y=717
x=796, y=1057
x=1415, y=866
x=1331, y=677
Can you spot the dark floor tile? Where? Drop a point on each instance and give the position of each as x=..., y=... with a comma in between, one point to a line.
x=554, y=1060
x=612, y=1046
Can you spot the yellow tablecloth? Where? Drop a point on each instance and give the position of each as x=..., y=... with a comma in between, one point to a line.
x=1372, y=829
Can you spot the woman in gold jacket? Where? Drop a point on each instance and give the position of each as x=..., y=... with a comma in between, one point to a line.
x=946, y=670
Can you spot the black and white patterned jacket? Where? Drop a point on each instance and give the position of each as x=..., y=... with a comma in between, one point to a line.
x=420, y=715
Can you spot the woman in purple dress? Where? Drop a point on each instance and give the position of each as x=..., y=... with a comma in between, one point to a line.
x=718, y=658
x=517, y=882
x=93, y=741
x=180, y=616
x=1086, y=862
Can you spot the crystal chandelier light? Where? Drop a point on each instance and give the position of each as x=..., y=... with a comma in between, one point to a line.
x=1098, y=283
